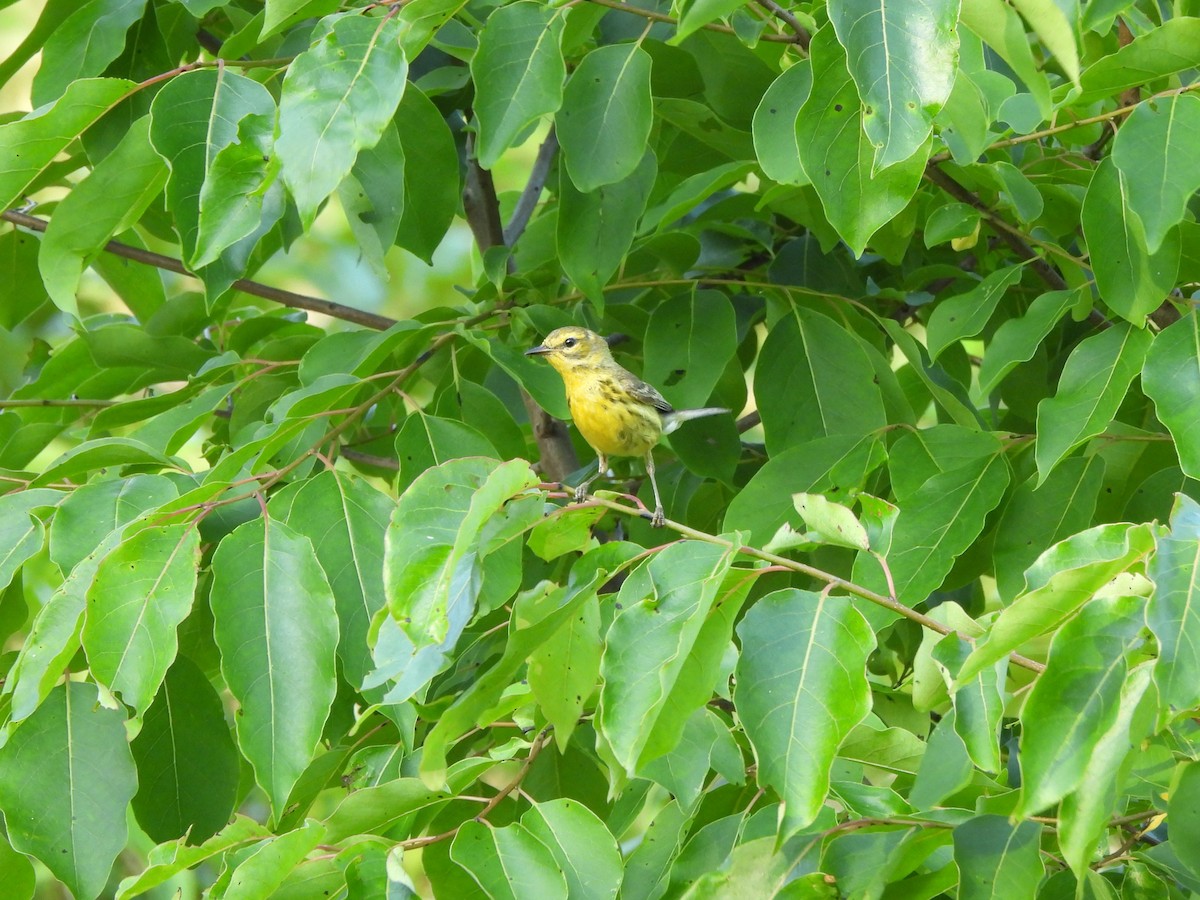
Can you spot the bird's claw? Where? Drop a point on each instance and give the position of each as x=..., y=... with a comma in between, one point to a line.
x=658, y=520
x=581, y=493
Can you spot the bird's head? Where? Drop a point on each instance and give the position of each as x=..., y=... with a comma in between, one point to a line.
x=572, y=348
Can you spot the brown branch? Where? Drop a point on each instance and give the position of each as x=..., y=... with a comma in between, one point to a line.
x=784, y=15
x=528, y=200
x=254, y=288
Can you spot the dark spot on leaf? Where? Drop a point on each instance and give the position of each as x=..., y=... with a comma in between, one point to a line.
x=837, y=107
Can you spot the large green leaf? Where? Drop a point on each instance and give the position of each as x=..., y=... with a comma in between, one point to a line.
x=142, y=591
x=997, y=858
x=188, y=767
x=431, y=193
x=372, y=197
x=903, y=57
x=97, y=28
x=814, y=379
x=508, y=863
x=1051, y=23
x=1092, y=387
x=30, y=144
x=1173, y=612
x=1017, y=339
x=564, y=670
x=1153, y=150
x=689, y=341
x=664, y=605
x=21, y=532
x=1132, y=280
x=1171, y=378
x=839, y=158
x=170, y=858
x=519, y=72
x=66, y=778
x=605, y=118
x=965, y=315
x=776, y=143
x=276, y=626
x=1172, y=47
x=110, y=200
x=583, y=847
x=1076, y=700
x=801, y=688
x=999, y=26
x=338, y=97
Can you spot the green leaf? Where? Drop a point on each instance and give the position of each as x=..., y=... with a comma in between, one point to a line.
x=945, y=391
x=903, y=57
x=839, y=158
x=940, y=521
x=648, y=866
x=604, y=122
x=1171, y=378
x=1064, y=578
x=17, y=872
x=689, y=341
x=142, y=591
x=706, y=744
x=965, y=315
x=518, y=72
x=1084, y=815
x=373, y=809
x=508, y=863
x=1133, y=281
x=108, y=201
x=978, y=703
x=101, y=454
x=564, y=670
x=1173, y=612
x=269, y=864
x=276, y=627
x=999, y=26
x=338, y=97
x=1017, y=339
x=1038, y=516
x=21, y=532
x=192, y=119
x=436, y=542
x=188, y=767
x=801, y=688
x=1183, y=806
x=66, y=777
x=420, y=20
x=700, y=13
x=595, y=230
x=372, y=196
x=1049, y=21
x=997, y=859
x=835, y=465
x=29, y=145
x=1092, y=387
x=813, y=379
x=1153, y=151
x=426, y=441
x=1076, y=700
x=664, y=605
x=345, y=518
x=832, y=522
x=776, y=143
x=83, y=46
x=583, y=848
x=1171, y=47
x=431, y=193
x=950, y=222
x=239, y=185
x=169, y=859
x=945, y=767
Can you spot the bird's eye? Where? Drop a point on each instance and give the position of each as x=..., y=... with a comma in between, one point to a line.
x=570, y=342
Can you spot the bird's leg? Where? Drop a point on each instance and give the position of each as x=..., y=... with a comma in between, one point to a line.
x=581, y=491
x=658, y=519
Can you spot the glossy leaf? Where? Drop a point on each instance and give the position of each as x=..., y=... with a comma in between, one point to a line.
x=800, y=650
x=1132, y=280
x=583, y=848
x=277, y=630
x=839, y=158
x=98, y=27
x=519, y=72
x=903, y=58
x=142, y=591
x=338, y=97
x=65, y=779
x=1092, y=387
x=1077, y=699
x=1173, y=612
x=1171, y=378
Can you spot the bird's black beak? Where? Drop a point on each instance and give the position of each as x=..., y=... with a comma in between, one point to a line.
x=539, y=350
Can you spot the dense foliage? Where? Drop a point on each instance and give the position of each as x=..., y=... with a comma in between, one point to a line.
x=295, y=603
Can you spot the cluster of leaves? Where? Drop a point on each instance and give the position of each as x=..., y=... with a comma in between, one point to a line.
x=290, y=613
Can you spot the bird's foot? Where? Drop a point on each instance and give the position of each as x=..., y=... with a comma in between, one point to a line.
x=581, y=493
x=658, y=520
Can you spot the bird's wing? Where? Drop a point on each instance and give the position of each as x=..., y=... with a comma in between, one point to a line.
x=644, y=393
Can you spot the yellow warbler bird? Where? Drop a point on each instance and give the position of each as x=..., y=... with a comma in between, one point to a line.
x=617, y=413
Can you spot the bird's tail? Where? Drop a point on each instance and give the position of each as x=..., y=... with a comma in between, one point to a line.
x=675, y=418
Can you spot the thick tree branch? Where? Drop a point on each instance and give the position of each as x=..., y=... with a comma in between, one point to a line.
x=254, y=288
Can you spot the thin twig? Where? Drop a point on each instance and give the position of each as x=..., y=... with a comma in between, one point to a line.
x=710, y=26
x=528, y=200
x=802, y=35
x=254, y=288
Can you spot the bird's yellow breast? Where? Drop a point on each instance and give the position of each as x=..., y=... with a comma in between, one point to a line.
x=610, y=420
